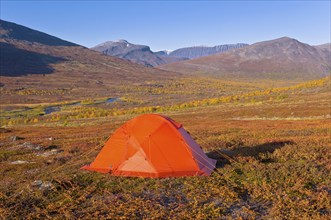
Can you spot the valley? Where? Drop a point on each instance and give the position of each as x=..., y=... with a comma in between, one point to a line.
x=262, y=111
x=279, y=143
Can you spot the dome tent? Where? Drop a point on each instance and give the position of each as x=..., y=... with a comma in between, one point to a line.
x=152, y=145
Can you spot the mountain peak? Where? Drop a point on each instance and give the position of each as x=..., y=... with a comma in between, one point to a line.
x=280, y=40
x=121, y=41
x=285, y=38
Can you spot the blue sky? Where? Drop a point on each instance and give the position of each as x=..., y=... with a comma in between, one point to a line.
x=174, y=24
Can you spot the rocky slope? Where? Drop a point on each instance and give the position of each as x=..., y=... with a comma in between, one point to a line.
x=140, y=54
x=201, y=51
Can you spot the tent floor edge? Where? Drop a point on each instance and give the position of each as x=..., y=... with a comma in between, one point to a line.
x=160, y=175
x=100, y=170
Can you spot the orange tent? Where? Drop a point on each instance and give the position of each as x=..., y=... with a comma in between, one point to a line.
x=152, y=145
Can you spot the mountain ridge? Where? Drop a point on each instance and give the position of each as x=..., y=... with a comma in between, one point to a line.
x=142, y=54
x=200, y=51
x=11, y=30
x=279, y=58
x=135, y=53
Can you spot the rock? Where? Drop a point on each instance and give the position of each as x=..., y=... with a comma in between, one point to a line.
x=31, y=146
x=42, y=185
x=33, y=171
x=51, y=147
x=20, y=162
x=49, y=153
x=15, y=138
x=46, y=185
x=37, y=183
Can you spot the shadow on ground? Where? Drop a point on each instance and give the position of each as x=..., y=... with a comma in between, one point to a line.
x=223, y=156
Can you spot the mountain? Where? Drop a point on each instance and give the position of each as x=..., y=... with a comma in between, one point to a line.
x=60, y=70
x=283, y=58
x=201, y=51
x=140, y=54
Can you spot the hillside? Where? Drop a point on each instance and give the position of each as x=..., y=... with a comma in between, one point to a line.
x=282, y=58
x=50, y=69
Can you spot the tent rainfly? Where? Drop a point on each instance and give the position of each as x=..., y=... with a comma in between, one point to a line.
x=152, y=145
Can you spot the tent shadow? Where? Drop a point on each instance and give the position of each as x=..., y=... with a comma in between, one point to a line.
x=246, y=151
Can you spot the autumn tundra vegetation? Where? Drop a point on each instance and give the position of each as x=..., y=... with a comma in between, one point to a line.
x=272, y=146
